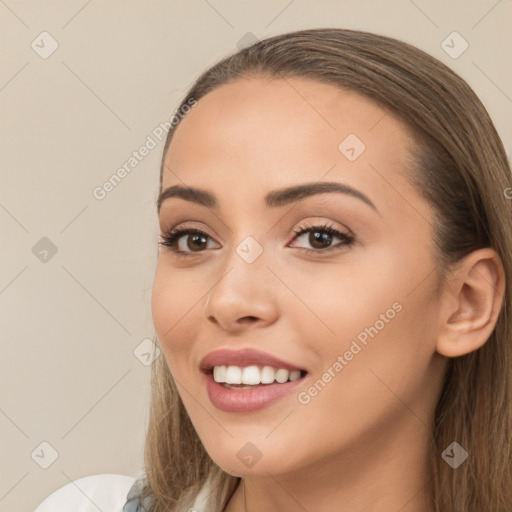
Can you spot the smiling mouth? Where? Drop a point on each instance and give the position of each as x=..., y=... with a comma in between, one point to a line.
x=249, y=388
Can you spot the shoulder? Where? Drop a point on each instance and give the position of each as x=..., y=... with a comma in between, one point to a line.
x=133, y=503
x=133, y=500
x=90, y=494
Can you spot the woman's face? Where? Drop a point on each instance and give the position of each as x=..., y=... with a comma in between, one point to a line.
x=355, y=309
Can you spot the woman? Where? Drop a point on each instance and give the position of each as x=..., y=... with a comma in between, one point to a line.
x=330, y=295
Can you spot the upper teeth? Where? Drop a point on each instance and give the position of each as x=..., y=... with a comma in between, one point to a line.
x=253, y=374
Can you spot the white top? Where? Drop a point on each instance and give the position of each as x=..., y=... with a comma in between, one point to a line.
x=106, y=492
x=90, y=494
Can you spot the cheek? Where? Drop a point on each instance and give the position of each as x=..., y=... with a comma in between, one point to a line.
x=339, y=301
x=173, y=306
x=377, y=314
x=365, y=387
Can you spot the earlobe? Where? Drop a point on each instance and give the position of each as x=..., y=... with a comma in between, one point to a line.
x=471, y=303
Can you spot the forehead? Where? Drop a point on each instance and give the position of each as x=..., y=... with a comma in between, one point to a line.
x=282, y=111
x=256, y=134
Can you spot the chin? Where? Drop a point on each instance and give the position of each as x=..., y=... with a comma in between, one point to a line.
x=248, y=460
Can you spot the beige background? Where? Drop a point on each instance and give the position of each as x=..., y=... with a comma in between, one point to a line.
x=70, y=324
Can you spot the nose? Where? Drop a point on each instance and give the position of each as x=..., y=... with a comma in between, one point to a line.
x=243, y=297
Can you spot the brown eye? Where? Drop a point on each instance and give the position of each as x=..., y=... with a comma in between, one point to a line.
x=320, y=237
x=194, y=241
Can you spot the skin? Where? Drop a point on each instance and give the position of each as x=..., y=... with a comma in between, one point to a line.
x=363, y=440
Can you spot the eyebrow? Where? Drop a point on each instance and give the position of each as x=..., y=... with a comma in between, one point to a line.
x=274, y=199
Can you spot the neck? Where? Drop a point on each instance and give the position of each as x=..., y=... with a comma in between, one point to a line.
x=377, y=473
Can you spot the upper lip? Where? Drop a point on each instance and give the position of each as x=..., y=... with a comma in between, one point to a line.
x=243, y=357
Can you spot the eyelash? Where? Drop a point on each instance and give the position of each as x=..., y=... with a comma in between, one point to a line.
x=169, y=240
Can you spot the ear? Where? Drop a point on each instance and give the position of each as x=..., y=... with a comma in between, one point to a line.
x=472, y=298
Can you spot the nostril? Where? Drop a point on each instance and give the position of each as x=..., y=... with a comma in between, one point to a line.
x=247, y=319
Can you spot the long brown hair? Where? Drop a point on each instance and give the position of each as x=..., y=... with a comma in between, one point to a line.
x=460, y=167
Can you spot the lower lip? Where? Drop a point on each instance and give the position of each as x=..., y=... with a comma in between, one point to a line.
x=247, y=400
